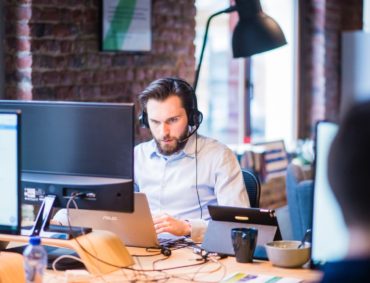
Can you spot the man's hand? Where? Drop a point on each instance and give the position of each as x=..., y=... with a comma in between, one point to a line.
x=166, y=223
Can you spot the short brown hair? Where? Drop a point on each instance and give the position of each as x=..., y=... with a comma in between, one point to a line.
x=163, y=88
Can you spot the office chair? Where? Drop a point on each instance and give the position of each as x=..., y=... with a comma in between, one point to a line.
x=299, y=192
x=253, y=185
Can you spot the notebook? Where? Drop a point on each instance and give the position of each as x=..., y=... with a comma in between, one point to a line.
x=224, y=218
x=135, y=229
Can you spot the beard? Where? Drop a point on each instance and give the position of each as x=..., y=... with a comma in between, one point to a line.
x=176, y=144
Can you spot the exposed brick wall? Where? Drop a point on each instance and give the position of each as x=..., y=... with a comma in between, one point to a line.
x=52, y=51
x=322, y=22
x=18, y=59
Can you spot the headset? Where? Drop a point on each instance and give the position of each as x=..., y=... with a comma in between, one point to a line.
x=195, y=117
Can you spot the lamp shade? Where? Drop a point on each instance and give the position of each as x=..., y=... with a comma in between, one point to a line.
x=255, y=32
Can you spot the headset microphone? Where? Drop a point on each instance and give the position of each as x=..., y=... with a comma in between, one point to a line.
x=190, y=134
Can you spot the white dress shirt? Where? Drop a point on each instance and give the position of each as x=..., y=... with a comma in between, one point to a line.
x=171, y=182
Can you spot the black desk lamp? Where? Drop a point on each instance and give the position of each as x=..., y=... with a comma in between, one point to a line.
x=255, y=32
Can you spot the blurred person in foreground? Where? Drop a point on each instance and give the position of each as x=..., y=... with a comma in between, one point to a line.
x=349, y=178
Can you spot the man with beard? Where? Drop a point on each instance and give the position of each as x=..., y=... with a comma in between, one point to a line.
x=180, y=171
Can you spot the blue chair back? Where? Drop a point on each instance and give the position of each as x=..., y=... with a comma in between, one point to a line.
x=300, y=200
x=253, y=186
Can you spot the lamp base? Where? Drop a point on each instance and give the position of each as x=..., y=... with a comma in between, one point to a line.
x=11, y=268
x=101, y=251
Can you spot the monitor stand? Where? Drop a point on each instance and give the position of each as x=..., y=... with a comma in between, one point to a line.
x=43, y=228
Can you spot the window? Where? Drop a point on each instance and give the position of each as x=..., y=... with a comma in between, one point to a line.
x=221, y=88
x=273, y=78
x=218, y=90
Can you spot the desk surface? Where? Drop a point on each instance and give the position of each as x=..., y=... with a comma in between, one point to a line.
x=209, y=272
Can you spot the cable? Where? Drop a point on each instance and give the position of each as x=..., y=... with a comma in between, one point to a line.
x=139, y=273
x=114, y=265
x=196, y=175
x=59, y=258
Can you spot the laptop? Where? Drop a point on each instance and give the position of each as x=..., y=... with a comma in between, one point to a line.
x=328, y=224
x=135, y=229
x=224, y=218
x=10, y=157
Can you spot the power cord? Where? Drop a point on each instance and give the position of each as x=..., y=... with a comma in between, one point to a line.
x=196, y=174
x=139, y=274
x=73, y=197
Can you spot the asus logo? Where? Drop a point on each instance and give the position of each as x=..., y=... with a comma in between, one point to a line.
x=110, y=218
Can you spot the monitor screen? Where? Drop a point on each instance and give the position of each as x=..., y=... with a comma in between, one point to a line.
x=77, y=138
x=70, y=147
x=329, y=232
x=9, y=172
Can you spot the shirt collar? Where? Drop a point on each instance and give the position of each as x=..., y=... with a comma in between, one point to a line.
x=188, y=150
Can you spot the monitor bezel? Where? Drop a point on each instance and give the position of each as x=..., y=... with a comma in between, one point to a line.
x=314, y=263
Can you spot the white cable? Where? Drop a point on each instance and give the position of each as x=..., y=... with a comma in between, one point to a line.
x=65, y=256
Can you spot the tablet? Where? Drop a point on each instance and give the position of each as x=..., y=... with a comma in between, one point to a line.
x=224, y=218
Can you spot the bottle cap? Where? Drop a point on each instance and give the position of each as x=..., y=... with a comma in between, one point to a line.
x=35, y=241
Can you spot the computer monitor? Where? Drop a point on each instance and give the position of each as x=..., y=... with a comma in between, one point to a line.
x=76, y=138
x=77, y=147
x=329, y=231
x=10, y=212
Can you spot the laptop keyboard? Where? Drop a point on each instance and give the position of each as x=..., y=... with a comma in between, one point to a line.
x=169, y=239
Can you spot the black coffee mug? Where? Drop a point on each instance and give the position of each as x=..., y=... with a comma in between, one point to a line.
x=244, y=242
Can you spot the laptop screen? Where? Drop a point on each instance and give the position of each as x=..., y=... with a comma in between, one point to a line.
x=329, y=232
x=9, y=172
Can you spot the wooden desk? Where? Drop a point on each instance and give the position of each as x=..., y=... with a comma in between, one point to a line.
x=210, y=272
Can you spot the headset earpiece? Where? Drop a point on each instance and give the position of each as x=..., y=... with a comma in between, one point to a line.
x=195, y=118
x=143, y=120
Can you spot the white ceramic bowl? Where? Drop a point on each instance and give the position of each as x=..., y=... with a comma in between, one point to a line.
x=287, y=254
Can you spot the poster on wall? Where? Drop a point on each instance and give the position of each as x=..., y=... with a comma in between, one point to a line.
x=126, y=25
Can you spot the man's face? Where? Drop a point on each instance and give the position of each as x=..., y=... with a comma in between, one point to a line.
x=168, y=123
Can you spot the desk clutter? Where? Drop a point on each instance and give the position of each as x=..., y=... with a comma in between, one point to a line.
x=182, y=266
x=176, y=261
x=185, y=265
x=185, y=262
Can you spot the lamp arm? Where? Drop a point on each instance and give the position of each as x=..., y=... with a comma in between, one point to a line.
x=228, y=10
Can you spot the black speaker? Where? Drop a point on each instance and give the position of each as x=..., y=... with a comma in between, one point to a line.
x=195, y=117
